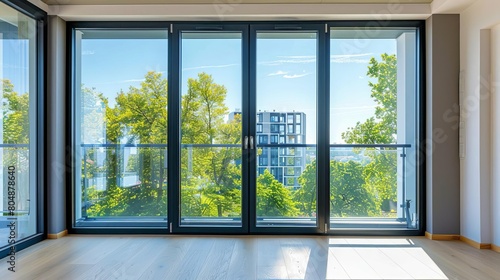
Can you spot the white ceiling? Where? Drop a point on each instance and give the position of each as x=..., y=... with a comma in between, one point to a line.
x=232, y=2
x=209, y=10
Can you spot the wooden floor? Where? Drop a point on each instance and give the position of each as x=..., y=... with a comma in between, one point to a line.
x=251, y=257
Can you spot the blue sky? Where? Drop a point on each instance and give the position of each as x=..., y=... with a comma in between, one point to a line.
x=350, y=99
x=14, y=61
x=286, y=72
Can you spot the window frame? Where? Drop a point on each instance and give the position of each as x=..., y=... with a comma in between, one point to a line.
x=102, y=226
x=323, y=126
x=42, y=146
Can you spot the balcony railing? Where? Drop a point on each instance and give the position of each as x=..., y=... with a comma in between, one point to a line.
x=131, y=167
x=16, y=156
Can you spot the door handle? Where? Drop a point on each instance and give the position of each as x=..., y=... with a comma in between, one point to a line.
x=245, y=143
x=251, y=143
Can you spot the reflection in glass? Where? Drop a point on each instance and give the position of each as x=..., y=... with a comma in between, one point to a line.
x=121, y=126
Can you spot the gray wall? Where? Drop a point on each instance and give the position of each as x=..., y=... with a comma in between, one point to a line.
x=442, y=122
x=56, y=125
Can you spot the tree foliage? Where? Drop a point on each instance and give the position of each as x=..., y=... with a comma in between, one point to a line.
x=349, y=194
x=211, y=176
x=381, y=128
x=273, y=198
x=215, y=172
x=360, y=188
x=15, y=108
x=305, y=196
x=381, y=172
x=138, y=117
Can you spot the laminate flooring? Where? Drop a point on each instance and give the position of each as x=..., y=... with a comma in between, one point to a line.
x=251, y=257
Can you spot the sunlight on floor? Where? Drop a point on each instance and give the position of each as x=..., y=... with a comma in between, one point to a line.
x=353, y=258
x=380, y=259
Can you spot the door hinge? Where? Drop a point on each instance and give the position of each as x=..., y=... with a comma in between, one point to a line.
x=326, y=227
x=170, y=227
x=171, y=28
x=326, y=28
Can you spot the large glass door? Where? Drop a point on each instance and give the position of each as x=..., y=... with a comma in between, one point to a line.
x=373, y=132
x=120, y=130
x=212, y=164
x=271, y=128
x=284, y=185
x=247, y=152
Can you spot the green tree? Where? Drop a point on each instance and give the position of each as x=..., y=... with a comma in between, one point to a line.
x=139, y=116
x=144, y=110
x=359, y=188
x=380, y=129
x=16, y=130
x=203, y=122
x=273, y=198
x=15, y=108
x=211, y=177
x=142, y=113
x=349, y=194
x=306, y=195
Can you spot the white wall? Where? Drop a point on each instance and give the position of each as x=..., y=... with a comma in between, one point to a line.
x=480, y=216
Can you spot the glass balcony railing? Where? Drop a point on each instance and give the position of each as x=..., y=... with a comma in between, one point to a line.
x=210, y=187
x=121, y=183
x=371, y=186
x=15, y=191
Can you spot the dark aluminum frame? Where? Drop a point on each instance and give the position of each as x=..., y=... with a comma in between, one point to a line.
x=174, y=127
x=420, y=117
x=40, y=17
x=322, y=55
x=103, y=227
x=249, y=30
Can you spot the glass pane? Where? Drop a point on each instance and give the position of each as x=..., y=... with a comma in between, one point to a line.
x=286, y=103
x=121, y=127
x=18, y=90
x=372, y=129
x=211, y=129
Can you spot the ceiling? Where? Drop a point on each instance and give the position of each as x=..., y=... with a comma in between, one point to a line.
x=230, y=2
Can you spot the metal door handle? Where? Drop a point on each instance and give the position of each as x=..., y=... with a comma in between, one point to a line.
x=245, y=143
x=251, y=143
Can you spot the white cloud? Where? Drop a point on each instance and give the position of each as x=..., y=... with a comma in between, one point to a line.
x=278, y=73
x=350, y=58
x=303, y=59
x=209, y=66
x=88, y=52
x=298, y=56
x=291, y=59
x=295, y=76
x=132, y=81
